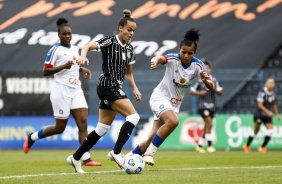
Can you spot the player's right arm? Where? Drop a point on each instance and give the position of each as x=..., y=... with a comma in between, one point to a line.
x=82, y=59
x=52, y=70
x=157, y=60
x=50, y=60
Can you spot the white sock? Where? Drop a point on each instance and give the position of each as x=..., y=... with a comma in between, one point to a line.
x=34, y=136
x=201, y=141
x=151, y=150
x=209, y=137
x=86, y=155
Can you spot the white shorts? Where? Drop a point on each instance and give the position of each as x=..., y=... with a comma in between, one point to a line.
x=65, y=98
x=160, y=104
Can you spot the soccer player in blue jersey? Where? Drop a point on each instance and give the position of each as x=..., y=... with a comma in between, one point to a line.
x=66, y=95
x=181, y=70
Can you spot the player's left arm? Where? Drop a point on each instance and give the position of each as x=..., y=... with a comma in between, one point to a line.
x=129, y=77
x=157, y=60
x=86, y=72
x=217, y=88
x=275, y=110
x=206, y=80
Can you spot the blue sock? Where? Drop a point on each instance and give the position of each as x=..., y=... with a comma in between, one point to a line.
x=157, y=141
x=40, y=134
x=138, y=151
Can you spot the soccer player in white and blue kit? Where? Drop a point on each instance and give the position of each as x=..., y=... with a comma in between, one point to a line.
x=66, y=94
x=181, y=69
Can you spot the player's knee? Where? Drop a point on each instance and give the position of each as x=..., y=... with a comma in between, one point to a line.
x=269, y=132
x=82, y=125
x=133, y=118
x=173, y=123
x=101, y=129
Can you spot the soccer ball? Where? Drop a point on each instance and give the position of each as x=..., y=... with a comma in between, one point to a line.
x=133, y=163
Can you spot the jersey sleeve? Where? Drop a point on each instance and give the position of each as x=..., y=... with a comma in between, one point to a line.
x=260, y=96
x=104, y=43
x=132, y=61
x=218, y=86
x=195, y=86
x=171, y=57
x=51, y=57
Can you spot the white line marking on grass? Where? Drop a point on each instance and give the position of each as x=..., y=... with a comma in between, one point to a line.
x=116, y=171
x=57, y=174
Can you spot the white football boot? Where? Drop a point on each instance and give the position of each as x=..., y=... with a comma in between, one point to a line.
x=211, y=149
x=149, y=160
x=117, y=158
x=75, y=163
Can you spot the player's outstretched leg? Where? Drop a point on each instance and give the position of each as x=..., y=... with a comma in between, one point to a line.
x=75, y=163
x=27, y=143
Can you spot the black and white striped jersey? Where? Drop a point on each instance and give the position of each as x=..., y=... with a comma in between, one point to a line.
x=209, y=100
x=267, y=98
x=116, y=58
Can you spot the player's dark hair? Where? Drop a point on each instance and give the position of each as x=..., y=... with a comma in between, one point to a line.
x=206, y=62
x=127, y=17
x=61, y=22
x=190, y=39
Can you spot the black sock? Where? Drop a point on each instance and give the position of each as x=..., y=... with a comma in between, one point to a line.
x=87, y=144
x=250, y=139
x=124, y=134
x=266, y=140
x=209, y=143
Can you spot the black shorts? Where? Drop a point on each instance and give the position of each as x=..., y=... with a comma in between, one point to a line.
x=108, y=95
x=262, y=119
x=206, y=113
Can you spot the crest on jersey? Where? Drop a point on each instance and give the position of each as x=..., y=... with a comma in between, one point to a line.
x=128, y=54
x=182, y=80
x=161, y=106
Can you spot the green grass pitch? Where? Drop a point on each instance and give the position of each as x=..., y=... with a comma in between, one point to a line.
x=172, y=166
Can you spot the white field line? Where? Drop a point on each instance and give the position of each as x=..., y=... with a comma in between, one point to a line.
x=116, y=171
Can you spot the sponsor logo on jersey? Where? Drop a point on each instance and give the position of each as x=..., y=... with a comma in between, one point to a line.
x=105, y=43
x=179, y=84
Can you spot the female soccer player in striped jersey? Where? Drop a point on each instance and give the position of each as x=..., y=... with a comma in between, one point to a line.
x=266, y=103
x=118, y=59
x=66, y=93
x=181, y=69
x=206, y=107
